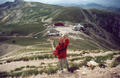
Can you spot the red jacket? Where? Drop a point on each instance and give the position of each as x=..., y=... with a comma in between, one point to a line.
x=61, y=51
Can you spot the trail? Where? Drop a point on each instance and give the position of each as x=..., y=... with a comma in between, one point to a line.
x=52, y=44
x=40, y=32
x=5, y=18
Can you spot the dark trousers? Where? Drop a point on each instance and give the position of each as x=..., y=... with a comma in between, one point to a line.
x=61, y=61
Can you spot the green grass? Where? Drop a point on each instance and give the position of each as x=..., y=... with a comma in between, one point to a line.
x=26, y=73
x=76, y=66
x=82, y=45
x=83, y=63
x=21, y=68
x=98, y=59
x=77, y=58
x=88, y=58
x=18, y=69
x=74, y=55
x=36, y=50
x=102, y=59
x=25, y=41
x=35, y=57
x=30, y=66
x=51, y=70
x=70, y=14
x=20, y=29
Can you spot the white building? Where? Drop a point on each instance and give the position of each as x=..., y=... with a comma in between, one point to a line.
x=52, y=34
x=78, y=27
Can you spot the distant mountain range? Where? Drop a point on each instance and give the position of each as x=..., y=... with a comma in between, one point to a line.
x=102, y=26
x=92, y=6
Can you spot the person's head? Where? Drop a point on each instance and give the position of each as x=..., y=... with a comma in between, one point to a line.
x=61, y=41
x=62, y=35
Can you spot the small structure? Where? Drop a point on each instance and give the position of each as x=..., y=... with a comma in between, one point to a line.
x=78, y=27
x=52, y=34
x=50, y=28
x=45, y=25
x=59, y=24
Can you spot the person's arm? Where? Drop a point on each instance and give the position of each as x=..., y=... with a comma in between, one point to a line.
x=66, y=41
x=55, y=52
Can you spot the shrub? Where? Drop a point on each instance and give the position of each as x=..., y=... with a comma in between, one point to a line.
x=83, y=63
x=78, y=58
x=18, y=69
x=51, y=70
x=47, y=56
x=75, y=66
x=30, y=72
x=101, y=59
x=15, y=74
x=88, y=58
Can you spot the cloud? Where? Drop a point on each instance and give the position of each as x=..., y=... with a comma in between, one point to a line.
x=3, y=1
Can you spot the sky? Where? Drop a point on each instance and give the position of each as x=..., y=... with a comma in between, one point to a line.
x=103, y=2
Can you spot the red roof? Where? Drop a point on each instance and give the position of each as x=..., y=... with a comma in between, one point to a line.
x=58, y=24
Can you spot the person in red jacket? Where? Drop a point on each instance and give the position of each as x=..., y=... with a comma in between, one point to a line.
x=61, y=52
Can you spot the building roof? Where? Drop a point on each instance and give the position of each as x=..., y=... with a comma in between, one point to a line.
x=59, y=24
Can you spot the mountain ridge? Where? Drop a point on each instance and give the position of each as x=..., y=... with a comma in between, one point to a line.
x=92, y=6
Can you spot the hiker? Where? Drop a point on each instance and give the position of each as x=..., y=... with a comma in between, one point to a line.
x=61, y=52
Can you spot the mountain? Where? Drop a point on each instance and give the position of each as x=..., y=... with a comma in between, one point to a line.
x=102, y=27
x=102, y=7
x=91, y=6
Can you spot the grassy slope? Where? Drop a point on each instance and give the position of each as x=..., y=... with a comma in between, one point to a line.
x=21, y=29
x=32, y=13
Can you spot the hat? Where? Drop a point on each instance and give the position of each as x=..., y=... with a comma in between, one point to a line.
x=62, y=35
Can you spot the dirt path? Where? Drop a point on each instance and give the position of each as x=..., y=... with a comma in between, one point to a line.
x=11, y=66
x=65, y=30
